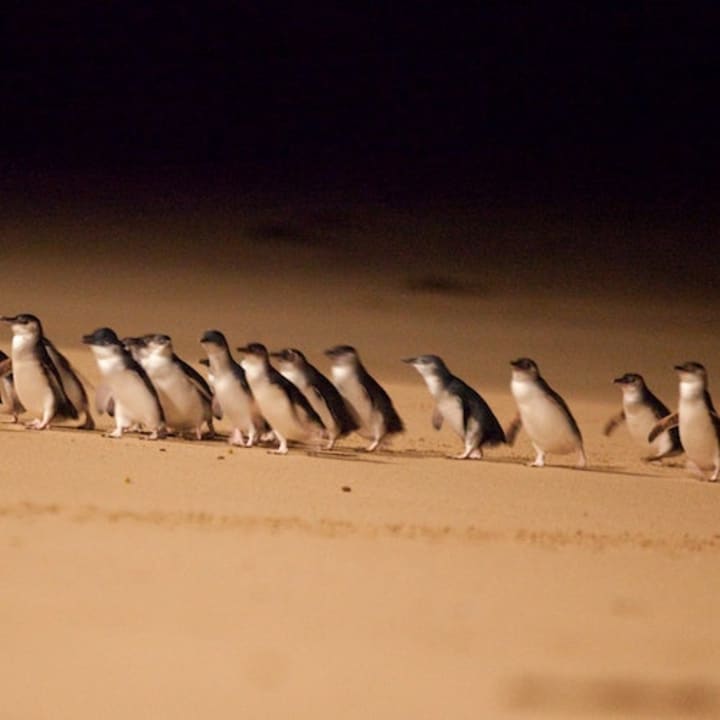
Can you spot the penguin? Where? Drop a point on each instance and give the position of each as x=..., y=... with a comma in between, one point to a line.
x=281, y=403
x=545, y=415
x=697, y=421
x=8, y=397
x=641, y=410
x=45, y=382
x=184, y=394
x=232, y=397
x=455, y=401
x=126, y=392
x=367, y=401
x=320, y=392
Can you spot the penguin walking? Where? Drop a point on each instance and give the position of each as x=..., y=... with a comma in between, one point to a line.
x=544, y=414
x=464, y=409
x=320, y=392
x=8, y=397
x=184, y=394
x=367, y=401
x=641, y=410
x=45, y=382
x=232, y=397
x=281, y=403
x=126, y=392
x=697, y=421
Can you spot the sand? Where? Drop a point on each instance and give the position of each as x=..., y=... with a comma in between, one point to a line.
x=180, y=579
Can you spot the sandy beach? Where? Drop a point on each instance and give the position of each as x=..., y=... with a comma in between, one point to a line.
x=180, y=579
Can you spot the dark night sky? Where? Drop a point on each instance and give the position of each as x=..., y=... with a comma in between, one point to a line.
x=525, y=96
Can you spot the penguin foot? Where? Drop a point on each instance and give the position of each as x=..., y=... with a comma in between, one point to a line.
x=37, y=425
x=115, y=434
x=236, y=438
x=89, y=423
x=475, y=454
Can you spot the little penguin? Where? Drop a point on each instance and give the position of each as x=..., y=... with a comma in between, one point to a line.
x=45, y=382
x=126, y=392
x=464, y=409
x=367, y=401
x=544, y=414
x=697, y=421
x=232, y=397
x=184, y=394
x=320, y=392
x=641, y=410
x=281, y=403
x=11, y=405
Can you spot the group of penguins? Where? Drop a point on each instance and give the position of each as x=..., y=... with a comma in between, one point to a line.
x=279, y=397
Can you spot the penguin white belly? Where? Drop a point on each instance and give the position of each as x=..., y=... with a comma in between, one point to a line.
x=277, y=409
x=545, y=422
x=134, y=403
x=316, y=402
x=357, y=398
x=31, y=386
x=450, y=407
x=697, y=434
x=235, y=404
x=181, y=402
x=640, y=421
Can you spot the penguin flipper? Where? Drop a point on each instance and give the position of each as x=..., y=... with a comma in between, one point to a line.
x=716, y=423
x=613, y=422
x=64, y=407
x=104, y=401
x=513, y=429
x=670, y=421
x=475, y=408
x=217, y=410
x=437, y=418
x=195, y=378
x=5, y=367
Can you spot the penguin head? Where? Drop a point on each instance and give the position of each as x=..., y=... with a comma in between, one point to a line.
x=24, y=324
x=693, y=379
x=102, y=337
x=104, y=343
x=343, y=355
x=525, y=369
x=632, y=386
x=135, y=346
x=630, y=379
x=157, y=344
x=289, y=358
x=427, y=365
x=213, y=337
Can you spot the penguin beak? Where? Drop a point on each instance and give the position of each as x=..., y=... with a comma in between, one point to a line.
x=8, y=319
x=275, y=354
x=410, y=360
x=87, y=339
x=242, y=349
x=619, y=381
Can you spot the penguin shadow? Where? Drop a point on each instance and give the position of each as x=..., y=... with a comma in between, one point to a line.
x=605, y=470
x=347, y=455
x=357, y=453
